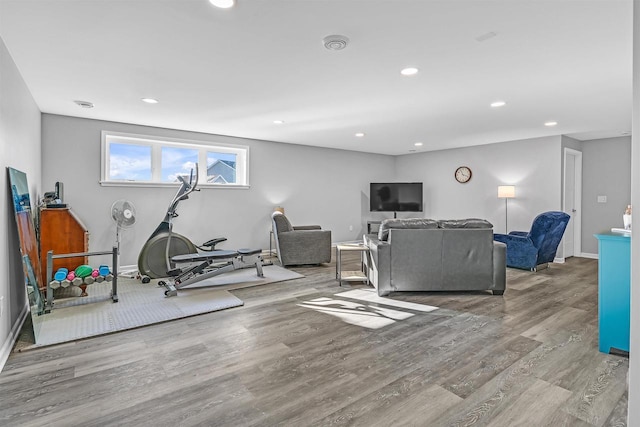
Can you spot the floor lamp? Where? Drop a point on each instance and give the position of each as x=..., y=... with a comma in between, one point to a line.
x=506, y=192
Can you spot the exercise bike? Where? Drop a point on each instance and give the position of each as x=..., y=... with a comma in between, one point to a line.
x=165, y=249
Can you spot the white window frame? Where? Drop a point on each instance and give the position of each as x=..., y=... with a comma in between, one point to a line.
x=157, y=143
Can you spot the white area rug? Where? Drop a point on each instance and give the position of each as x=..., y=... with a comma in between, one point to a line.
x=144, y=304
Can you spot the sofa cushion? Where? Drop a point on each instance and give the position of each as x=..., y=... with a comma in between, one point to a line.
x=464, y=223
x=404, y=223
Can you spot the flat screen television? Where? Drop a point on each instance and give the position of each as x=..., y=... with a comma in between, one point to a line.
x=395, y=197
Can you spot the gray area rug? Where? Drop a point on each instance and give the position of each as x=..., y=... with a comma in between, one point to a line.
x=75, y=318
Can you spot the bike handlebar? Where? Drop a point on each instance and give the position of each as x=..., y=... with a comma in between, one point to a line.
x=185, y=189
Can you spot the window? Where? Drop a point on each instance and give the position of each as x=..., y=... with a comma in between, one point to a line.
x=145, y=160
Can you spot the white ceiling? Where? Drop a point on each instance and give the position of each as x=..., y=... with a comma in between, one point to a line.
x=235, y=71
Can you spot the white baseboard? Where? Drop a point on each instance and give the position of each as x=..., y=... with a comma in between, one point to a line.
x=7, y=346
x=127, y=268
x=580, y=255
x=587, y=255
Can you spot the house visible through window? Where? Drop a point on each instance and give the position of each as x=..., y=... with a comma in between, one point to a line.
x=221, y=168
x=137, y=159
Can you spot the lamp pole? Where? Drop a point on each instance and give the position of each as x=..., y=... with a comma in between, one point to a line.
x=506, y=214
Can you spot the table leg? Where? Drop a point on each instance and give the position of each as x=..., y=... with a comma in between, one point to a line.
x=338, y=265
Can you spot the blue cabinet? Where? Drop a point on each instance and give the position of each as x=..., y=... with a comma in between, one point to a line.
x=614, y=274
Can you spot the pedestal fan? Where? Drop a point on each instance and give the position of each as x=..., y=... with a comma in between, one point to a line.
x=123, y=213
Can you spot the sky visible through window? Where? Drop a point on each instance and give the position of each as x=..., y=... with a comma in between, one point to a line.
x=131, y=162
x=177, y=161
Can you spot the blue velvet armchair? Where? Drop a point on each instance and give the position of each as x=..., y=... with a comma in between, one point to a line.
x=528, y=250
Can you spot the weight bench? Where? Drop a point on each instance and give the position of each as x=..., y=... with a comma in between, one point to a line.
x=210, y=264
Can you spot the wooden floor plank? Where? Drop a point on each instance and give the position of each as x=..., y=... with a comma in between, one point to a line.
x=532, y=406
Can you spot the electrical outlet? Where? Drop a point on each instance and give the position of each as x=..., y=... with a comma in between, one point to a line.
x=351, y=228
x=602, y=199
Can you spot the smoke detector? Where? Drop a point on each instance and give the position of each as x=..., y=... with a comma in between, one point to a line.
x=335, y=42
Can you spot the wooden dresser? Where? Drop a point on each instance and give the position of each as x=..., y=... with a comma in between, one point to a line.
x=63, y=232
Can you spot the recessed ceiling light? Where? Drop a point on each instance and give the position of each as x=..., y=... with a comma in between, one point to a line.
x=550, y=123
x=409, y=71
x=418, y=144
x=360, y=134
x=84, y=104
x=278, y=122
x=150, y=100
x=223, y=4
x=497, y=104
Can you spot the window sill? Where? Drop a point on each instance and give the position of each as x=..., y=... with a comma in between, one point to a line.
x=169, y=185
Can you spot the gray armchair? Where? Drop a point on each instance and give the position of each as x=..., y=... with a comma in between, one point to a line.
x=300, y=244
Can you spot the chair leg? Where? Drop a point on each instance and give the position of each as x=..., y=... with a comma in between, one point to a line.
x=541, y=267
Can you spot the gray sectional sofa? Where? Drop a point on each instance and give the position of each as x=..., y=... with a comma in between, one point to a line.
x=429, y=255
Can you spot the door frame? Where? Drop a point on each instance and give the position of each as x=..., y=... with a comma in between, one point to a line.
x=577, y=217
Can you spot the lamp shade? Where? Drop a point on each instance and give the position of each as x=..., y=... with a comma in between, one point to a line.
x=223, y=4
x=506, y=191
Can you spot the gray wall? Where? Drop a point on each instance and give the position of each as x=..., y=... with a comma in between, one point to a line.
x=532, y=165
x=20, y=149
x=606, y=171
x=315, y=186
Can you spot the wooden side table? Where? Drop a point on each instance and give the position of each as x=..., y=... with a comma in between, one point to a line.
x=351, y=276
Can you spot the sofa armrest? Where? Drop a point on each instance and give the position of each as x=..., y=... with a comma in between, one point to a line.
x=305, y=246
x=509, y=239
x=379, y=264
x=519, y=233
x=499, y=266
x=292, y=239
x=306, y=227
x=521, y=252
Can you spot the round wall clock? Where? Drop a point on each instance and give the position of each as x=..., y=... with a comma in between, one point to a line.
x=463, y=174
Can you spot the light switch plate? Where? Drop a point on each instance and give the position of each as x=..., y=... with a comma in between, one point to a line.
x=602, y=199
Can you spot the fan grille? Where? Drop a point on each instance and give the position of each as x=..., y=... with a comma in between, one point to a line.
x=123, y=213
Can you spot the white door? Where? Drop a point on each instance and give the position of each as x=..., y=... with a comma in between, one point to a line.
x=572, y=202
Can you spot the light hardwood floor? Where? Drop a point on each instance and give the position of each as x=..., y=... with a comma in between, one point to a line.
x=528, y=358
